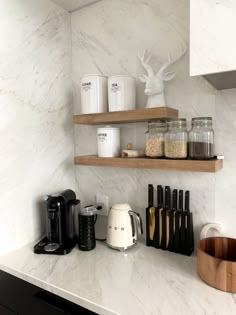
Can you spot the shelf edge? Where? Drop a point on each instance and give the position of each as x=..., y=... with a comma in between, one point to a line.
x=132, y=116
x=161, y=164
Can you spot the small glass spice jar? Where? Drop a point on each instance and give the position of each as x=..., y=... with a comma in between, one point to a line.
x=201, y=139
x=176, y=139
x=155, y=138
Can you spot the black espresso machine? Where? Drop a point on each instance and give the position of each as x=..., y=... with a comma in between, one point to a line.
x=61, y=213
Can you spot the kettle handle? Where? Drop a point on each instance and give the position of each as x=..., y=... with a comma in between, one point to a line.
x=138, y=226
x=133, y=225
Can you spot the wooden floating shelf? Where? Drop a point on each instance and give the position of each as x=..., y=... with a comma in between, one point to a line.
x=210, y=166
x=129, y=116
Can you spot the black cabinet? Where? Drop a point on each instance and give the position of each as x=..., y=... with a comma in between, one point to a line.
x=6, y=311
x=18, y=297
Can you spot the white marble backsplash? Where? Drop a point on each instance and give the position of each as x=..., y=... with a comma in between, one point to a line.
x=225, y=202
x=37, y=141
x=105, y=39
x=36, y=152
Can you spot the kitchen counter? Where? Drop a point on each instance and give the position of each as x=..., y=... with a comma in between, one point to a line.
x=141, y=281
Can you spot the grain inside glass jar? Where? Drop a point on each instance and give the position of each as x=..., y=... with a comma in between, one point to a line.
x=176, y=139
x=155, y=138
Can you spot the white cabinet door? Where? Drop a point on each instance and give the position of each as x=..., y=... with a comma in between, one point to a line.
x=212, y=36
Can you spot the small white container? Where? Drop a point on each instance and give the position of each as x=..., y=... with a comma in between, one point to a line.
x=93, y=94
x=108, y=140
x=121, y=93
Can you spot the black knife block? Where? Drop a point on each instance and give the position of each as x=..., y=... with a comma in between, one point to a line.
x=173, y=229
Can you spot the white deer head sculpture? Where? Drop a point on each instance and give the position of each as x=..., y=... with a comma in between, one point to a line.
x=155, y=83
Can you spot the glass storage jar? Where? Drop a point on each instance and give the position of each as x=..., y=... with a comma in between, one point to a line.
x=201, y=139
x=155, y=139
x=176, y=139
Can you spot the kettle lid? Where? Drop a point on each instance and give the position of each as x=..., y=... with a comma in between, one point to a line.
x=121, y=206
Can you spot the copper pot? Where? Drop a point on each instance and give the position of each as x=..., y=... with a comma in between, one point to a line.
x=216, y=262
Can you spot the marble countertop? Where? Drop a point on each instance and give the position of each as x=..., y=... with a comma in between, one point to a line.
x=141, y=281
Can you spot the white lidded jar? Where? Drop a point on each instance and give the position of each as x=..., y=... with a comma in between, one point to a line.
x=121, y=93
x=93, y=94
x=108, y=140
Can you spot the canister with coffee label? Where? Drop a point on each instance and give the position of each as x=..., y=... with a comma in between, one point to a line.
x=121, y=93
x=108, y=141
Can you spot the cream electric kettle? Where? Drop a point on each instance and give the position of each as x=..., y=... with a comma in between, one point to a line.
x=123, y=227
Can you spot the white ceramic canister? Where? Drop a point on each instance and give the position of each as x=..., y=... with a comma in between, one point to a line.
x=93, y=94
x=121, y=93
x=108, y=140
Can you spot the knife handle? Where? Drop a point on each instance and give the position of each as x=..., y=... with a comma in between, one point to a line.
x=150, y=195
x=167, y=197
x=159, y=198
x=181, y=200
x=187, y=200
x=174, y=199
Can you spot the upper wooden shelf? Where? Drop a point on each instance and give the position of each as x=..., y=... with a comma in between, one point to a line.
x=129, y=116
x=210, y=166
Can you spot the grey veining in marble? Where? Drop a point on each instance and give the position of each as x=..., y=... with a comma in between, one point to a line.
x=106, y=39
x=142, y=281
x=71, y=5
x=35, y=105
x=36, y=152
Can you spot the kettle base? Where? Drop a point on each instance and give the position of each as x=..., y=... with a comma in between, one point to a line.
x=121, y=249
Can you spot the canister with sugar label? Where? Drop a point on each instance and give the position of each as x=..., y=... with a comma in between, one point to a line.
x=121, y=93
x=93, y=94
x=108, y=141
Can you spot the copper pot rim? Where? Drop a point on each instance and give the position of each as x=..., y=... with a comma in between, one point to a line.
x=216, y=237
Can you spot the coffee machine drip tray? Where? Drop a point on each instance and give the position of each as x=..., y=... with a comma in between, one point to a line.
x=51, y=247
x=45, y=247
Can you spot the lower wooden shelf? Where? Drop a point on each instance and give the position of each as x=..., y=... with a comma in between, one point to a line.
x=210, y=166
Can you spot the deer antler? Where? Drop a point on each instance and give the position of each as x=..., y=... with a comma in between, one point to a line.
x=171, y=62
x=144, y=60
